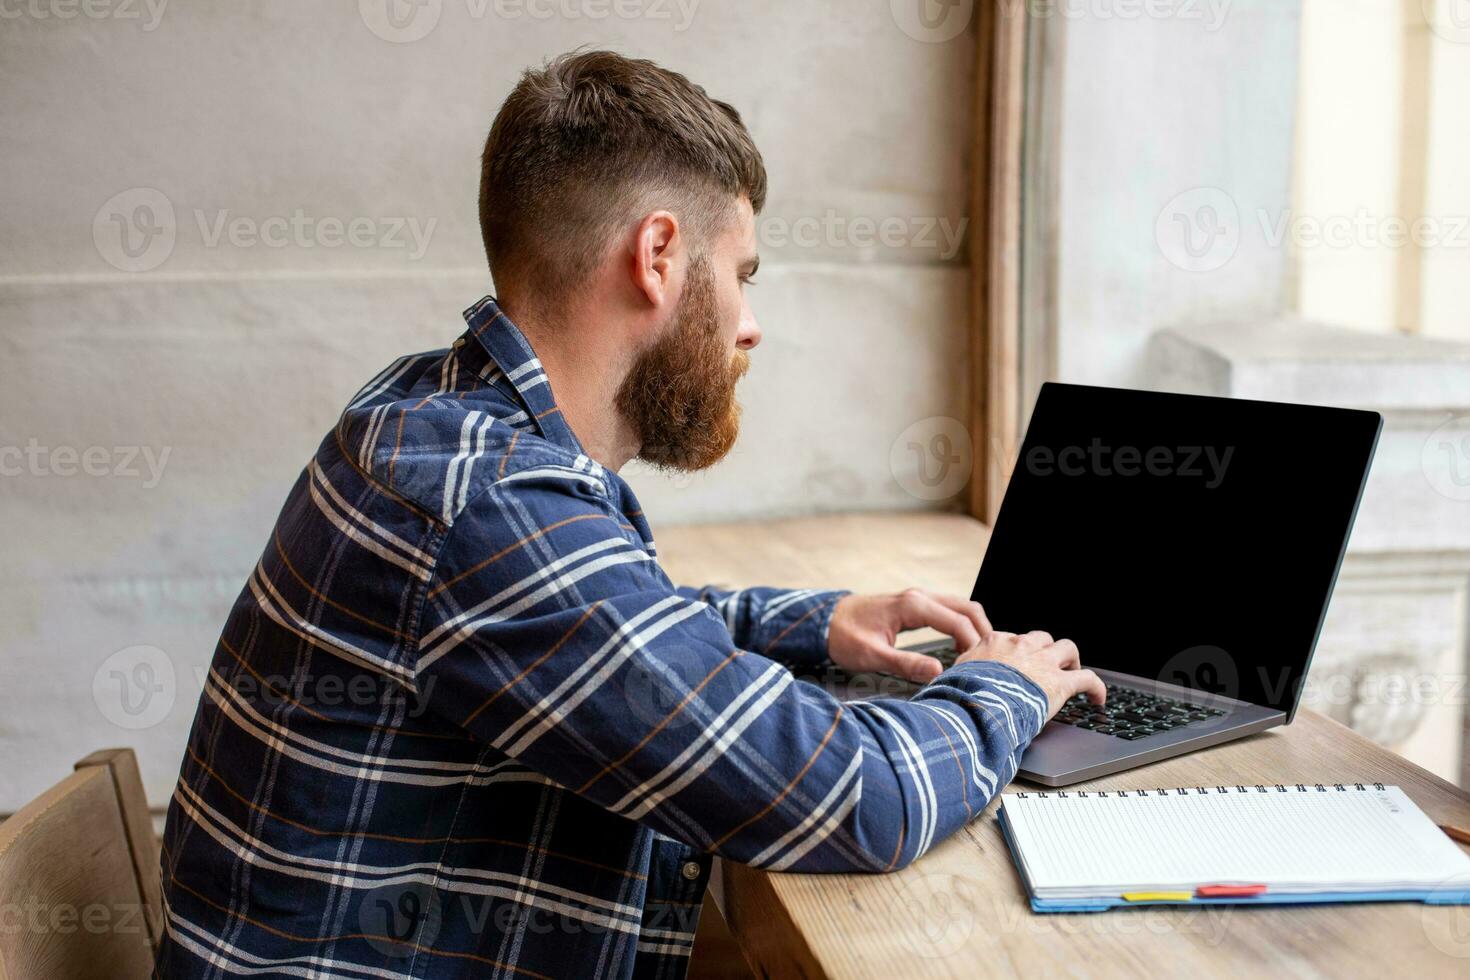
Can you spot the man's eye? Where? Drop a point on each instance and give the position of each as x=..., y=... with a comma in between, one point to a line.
x=747, y=281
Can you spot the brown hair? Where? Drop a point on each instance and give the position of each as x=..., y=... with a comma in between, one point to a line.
x=586, y=142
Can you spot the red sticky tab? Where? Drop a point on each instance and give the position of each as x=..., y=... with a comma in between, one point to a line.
x=1228, y=891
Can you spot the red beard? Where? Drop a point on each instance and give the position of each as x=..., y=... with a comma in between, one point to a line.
x=680, y=394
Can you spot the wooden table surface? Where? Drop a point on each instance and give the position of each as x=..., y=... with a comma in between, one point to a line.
x=960, y=911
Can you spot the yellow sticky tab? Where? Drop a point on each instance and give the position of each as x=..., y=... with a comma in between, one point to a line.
x=1157, y=896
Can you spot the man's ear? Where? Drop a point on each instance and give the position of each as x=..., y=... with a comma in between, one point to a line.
x=657, y=245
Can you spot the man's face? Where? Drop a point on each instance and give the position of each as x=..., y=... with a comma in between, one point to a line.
x=680, y=393
x=735, y=260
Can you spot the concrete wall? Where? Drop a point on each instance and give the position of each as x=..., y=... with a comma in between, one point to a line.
x=1210, y=175
x=1172, y=127
x=297, y=183
x=1259, y=158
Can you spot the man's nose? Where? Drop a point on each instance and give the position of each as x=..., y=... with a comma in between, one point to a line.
x=750, y=331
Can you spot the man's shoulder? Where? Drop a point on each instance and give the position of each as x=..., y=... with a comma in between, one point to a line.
x=441, y=441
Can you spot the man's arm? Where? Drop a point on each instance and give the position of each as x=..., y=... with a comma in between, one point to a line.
x=787, y=625
x=568, y=650
x=811, y=627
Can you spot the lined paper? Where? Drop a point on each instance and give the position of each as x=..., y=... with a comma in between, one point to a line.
x=1286, y=838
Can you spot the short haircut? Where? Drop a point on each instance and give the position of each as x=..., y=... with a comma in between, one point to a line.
x=590, y=142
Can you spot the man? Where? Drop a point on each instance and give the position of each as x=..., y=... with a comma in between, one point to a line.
x=459, y=722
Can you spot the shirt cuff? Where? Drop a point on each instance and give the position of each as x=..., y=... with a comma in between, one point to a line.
x=797, y=634
x=1024, y=697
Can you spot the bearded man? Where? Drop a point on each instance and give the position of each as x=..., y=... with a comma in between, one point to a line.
x=459, y=722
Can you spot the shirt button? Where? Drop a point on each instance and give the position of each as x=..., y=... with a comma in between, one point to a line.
x=691, y=870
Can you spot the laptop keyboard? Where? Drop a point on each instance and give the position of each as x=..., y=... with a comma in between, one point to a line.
x=1131, y=714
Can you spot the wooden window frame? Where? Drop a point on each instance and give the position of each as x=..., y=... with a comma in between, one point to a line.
x=996, y=188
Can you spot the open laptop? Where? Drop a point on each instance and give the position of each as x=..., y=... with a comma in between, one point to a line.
x=1189, y=545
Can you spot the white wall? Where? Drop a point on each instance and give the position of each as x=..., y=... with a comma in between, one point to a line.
x=1200, y=174
x=234, y=356
x=1163, y=120
x=1349, y=147
x=1384, y=142
x=1445, y=297
x=1300, y=126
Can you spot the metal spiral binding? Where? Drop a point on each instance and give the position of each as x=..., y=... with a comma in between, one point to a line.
x=1199, y=790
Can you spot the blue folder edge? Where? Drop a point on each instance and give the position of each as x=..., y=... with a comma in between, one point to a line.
x=1435, y=897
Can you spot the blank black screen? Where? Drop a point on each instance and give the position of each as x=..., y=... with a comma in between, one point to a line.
x=1190, y=539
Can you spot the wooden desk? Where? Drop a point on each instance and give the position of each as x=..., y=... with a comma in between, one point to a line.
x=960, y=911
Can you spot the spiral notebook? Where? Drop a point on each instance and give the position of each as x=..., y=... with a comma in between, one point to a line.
x=1085, y=851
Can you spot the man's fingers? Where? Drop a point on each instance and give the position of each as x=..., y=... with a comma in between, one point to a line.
x=1035, y=640
x=917, y=667
x=971, y=610
x=919, y=609
x=1068, y=657
x=1088, y=683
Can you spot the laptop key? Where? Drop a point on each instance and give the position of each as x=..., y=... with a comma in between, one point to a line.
x=1131, y=715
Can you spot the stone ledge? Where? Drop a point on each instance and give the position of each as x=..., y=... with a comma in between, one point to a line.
x=1297, y=360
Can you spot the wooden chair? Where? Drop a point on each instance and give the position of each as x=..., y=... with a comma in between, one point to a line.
x=79, y=882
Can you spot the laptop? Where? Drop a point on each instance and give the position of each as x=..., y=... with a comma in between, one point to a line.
x=1189, y=545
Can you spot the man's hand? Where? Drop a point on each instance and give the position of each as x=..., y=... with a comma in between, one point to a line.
x=1054, y=665
x=865, y=627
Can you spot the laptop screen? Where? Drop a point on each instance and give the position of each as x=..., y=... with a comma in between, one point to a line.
x=1189, y=539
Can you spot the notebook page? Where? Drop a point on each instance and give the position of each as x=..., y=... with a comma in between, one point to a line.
x=1289, y=839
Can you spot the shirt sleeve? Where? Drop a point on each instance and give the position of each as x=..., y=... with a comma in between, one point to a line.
x=551, y=636
x=787, y=625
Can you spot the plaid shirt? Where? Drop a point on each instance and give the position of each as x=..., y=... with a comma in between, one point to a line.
x=460, y=723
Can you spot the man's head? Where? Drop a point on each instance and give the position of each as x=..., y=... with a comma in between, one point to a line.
x=616, y=186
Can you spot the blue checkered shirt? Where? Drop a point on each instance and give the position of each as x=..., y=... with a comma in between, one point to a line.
x=460, y=723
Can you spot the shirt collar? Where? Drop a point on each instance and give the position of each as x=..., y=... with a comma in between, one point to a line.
x=512, y=353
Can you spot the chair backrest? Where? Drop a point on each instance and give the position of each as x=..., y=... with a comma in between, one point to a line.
x=79, y=888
